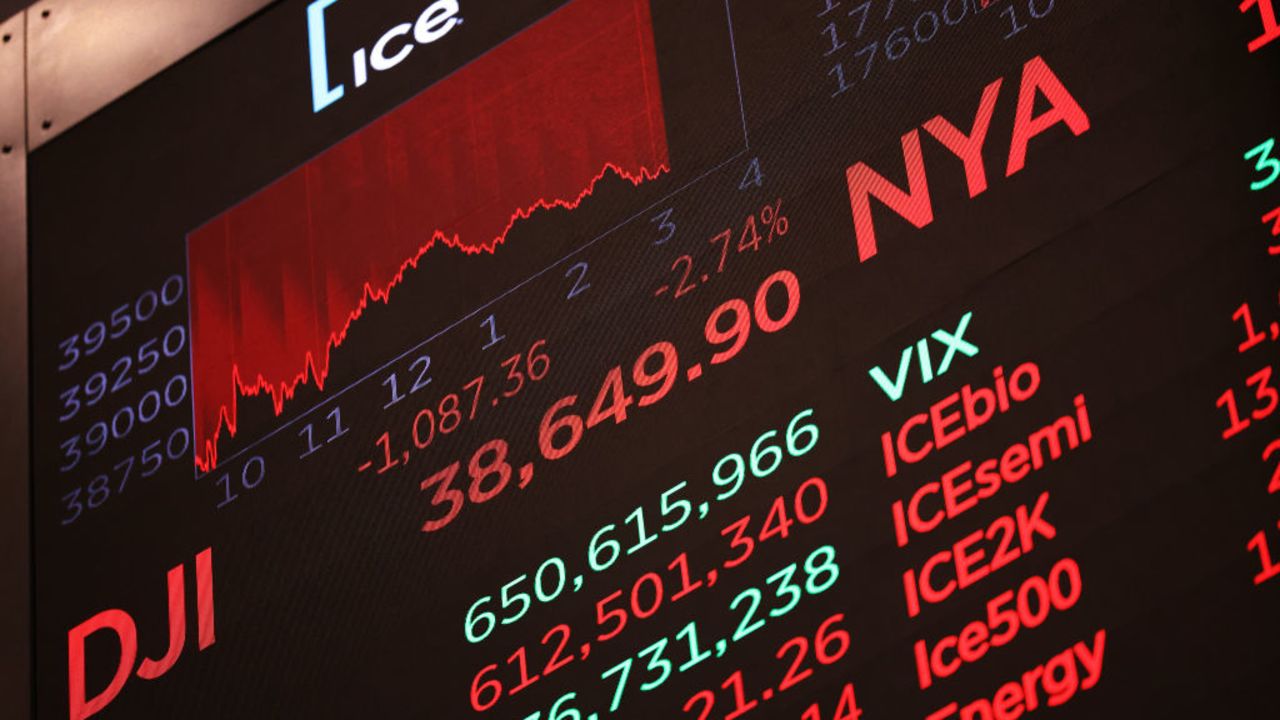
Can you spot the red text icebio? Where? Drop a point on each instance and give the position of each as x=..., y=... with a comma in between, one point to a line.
x=956, y=415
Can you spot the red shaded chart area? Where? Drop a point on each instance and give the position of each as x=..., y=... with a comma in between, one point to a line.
x=535, y=123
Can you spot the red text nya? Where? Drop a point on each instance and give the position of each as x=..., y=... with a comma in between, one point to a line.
x=914, y=204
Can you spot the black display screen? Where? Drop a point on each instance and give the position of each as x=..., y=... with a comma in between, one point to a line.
x=813, y=360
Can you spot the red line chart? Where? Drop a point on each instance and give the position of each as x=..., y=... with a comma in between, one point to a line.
x=534, y=124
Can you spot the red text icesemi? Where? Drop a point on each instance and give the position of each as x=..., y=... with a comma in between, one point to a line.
x=962, y=487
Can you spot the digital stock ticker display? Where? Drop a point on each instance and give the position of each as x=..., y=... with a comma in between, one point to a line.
x=705, y=359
